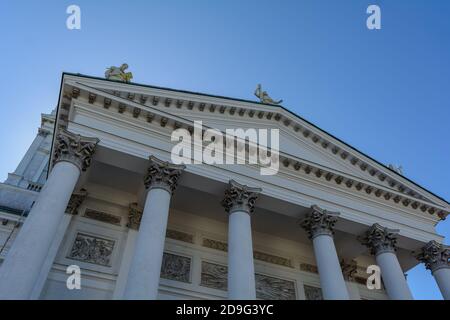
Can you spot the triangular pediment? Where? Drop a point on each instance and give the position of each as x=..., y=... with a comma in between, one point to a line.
x=300, y=141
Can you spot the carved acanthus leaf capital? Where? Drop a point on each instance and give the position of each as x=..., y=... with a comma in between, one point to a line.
x=74, y=148
x=240, y=197
x=380, y=239
x=349, y=269
x=163, y=174
x=75, y=201
x=134, y=216
x=319, y=221
x=435, y=256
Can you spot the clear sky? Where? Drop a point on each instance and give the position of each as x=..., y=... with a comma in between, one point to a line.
x=385, y=92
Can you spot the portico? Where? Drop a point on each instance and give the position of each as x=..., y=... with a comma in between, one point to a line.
x=147, y=228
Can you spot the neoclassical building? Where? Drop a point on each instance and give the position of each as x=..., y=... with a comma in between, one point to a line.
x=98, y=189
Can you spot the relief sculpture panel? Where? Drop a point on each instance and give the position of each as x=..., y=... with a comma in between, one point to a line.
x=92, y=249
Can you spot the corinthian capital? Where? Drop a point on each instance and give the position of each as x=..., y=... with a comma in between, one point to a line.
x=163, y=174
x=435, y=256
x=75, y=201
x=134, y=216
x=74, y=148
x=380, y=239
x=240, y=197
x=319, y=221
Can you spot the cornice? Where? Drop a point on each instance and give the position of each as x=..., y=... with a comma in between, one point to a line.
x=151, y=109
x=166, y=97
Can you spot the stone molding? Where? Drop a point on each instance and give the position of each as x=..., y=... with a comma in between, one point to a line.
x=240, y=197
x=435, y=256
x=162, y=174
x=75, y=201
x=319, y=222
x=74, y=148
x=380, y=239
x=134, y=216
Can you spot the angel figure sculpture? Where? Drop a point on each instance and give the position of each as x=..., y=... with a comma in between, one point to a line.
x=264, y=97
x=118, y=73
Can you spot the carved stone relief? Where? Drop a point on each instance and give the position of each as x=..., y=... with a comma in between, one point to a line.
x=180, y=236
x=269, y=288
x=313, y=293
x=176, y=267
x=214, y=276
x=272, y=259
x=102, y=216
x=92, y=249
x=214, y=244
x=308, y=268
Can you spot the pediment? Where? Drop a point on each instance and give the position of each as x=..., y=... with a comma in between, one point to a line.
x=300, y=141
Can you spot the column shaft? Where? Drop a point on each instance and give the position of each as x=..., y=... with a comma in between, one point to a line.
x=319, y=224
x=241, y=271
x=382, y=243
x=331, y=278
x=239, y=202
x=393, y=277
x=29, y=250
x=442, y=277
x=145, y=269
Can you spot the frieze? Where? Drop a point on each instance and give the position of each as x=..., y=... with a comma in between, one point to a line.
x=308, y=268
x=92, y=249
x=215, y=244
x=272, y=259
x=175, y=267
x=214, y=276
x=270, y=288
x=102, y=216
x=180, y=236
x=313, y=293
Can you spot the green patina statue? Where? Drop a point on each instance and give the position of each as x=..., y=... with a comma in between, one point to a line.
x=264, y=96
x=118, y=73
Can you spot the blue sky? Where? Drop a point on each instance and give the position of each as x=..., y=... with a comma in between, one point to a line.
x=385, y=92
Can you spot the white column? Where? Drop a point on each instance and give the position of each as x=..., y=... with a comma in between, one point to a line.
x=382, y=243
x=24, y=261
x=127, y=256
x=436, y=259
x=239, y=203
x=442, y=277
x=48, y=263
x=145, y=269
x=319, y=224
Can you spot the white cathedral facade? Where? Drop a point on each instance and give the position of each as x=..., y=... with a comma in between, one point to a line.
x=97, y=190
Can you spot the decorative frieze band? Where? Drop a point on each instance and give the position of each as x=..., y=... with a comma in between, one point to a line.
x=435, y=256
x=163, y=174
x=240, y=197
x=269, y=258
x=102, y=216
x=308, y=268
x=258, y=255
x=319, y=222
x=380, y=239
x=74, y=148
x=180, y=236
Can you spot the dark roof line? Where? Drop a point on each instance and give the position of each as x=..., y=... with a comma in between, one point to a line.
x=272, y=105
